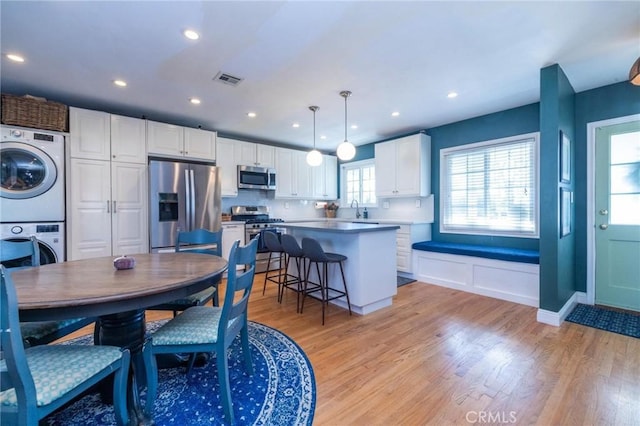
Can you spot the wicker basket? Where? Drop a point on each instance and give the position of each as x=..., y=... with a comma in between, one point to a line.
x=29, y=112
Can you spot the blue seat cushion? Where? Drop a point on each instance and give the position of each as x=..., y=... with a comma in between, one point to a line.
x=498, y=253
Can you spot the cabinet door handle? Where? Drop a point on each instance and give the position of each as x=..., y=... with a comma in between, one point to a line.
x=114, y=206
x=108, y=206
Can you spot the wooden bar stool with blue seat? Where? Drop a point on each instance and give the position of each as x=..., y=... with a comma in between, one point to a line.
x=274, y=247
x=35, y=382
x=26, y=254
x=196, y=241
x=315, y=254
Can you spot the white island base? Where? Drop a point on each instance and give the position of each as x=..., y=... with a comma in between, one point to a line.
x=370, y=269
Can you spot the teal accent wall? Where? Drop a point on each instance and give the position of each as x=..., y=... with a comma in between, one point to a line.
x=603, y=103
x=557, y=254
x=516, y=121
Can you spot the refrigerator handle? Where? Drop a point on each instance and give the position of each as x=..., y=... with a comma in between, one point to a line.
x=192, y=200
x=187, y=191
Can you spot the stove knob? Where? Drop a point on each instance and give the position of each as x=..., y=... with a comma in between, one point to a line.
x=16, y=230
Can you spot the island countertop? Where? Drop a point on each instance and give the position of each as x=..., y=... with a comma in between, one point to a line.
x=336, y=226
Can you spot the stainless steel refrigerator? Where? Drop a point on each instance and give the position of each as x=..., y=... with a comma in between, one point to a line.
x=182, y=197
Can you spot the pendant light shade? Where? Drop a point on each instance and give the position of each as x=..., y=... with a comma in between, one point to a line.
x=346, y=151
x=314, y=157
x=634, y=73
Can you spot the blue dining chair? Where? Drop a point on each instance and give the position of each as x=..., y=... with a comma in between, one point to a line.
x=196, y=241
x=16, y=255
x=36, y=381
x=209, y=329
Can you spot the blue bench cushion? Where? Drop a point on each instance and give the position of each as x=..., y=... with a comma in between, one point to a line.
x=499, y=253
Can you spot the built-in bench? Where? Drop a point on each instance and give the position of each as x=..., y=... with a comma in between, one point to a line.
x=501, y=272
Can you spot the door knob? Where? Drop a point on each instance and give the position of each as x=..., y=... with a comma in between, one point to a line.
x=604, y=226
x=604, y=212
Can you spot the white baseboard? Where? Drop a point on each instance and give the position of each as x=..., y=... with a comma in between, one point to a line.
x=557, y=318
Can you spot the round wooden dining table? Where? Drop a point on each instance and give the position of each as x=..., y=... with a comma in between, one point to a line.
x=117, y=298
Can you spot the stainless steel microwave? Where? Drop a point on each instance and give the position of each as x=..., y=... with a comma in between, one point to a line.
x=250, y=177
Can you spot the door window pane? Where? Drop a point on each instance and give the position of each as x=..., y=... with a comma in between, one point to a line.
x=625, y=179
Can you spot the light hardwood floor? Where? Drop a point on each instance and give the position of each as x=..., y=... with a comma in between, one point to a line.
x=440, y=356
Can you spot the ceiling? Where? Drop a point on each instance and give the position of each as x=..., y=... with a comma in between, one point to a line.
x=393, y=56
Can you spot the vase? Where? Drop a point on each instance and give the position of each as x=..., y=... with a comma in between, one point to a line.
x=330, y=213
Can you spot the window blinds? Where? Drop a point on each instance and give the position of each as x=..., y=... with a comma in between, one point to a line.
x=491, y=187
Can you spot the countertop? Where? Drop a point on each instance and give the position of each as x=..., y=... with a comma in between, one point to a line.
x=338, y=226
x=365, y=221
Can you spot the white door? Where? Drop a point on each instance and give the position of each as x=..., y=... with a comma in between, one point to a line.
x=90, y=209
x=200, y=144
x=285, y=179
x=225, y=154
x=385, y=154
x=163, y=138
x=90, y=134
x=408, y=166
x=128, y=139
x=617, y=205
x=129, y=219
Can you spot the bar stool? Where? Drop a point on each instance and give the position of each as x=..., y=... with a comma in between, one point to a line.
x=315, y=254
x=273, y=246
x=293, y=282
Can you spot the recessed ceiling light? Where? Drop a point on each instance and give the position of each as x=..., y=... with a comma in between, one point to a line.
x=452, y=95
x=251, y=114
x=15, y=58
x=323, y=137
x=191, y=35
x=395, y=114
x=296, y=125
x=354, y=126
x=194, y=101
x=120, y=83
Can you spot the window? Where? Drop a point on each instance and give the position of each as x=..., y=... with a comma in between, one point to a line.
x=359, y=183
x=491, y=187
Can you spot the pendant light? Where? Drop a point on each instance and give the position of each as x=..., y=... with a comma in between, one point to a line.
x=314, y=157
x=634, y=73
x=346, y=151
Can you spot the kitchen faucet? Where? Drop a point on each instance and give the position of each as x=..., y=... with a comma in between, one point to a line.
x=357, y=208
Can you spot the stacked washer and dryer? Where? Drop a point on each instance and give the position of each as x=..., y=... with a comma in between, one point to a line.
x=32, y=188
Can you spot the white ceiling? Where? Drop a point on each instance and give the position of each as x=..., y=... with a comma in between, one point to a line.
x=393, y=56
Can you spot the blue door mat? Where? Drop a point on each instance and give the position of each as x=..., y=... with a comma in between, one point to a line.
x=402, y=280
x=606, y=319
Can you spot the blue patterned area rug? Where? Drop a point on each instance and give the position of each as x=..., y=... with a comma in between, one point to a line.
x=606, y=319
x=281, y=391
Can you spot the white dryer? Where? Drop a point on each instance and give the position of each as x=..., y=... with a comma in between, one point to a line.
x=50, y=238
x=31, y=175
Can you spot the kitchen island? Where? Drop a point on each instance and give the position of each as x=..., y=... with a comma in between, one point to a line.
x=370, y=269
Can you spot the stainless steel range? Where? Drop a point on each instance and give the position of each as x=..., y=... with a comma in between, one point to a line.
x=257, y=221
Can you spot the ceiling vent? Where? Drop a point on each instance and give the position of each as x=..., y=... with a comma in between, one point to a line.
x=227, y=79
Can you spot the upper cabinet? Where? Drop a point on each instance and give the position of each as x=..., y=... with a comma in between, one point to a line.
x=98, y=135
x=228, y=154
x=293, y=175
x=177, y=141
x=253, y=154
x=325, y=179
x=403, y=167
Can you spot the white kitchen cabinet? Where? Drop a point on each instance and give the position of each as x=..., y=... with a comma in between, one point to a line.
x=228, y=154
x=405, y=237
x=199, y=144
x=177, y=141
x=255, y=154
x=107, y=209
x=101, y=136
x=231, y=231
x=106, y=185
x=325, y=179
x=293, y=175
x=403, y=167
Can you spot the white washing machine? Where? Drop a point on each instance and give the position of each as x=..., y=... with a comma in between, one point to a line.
x=50, y=238
x=31, y=175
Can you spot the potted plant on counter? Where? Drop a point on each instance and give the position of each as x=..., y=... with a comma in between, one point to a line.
x=330, y=210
